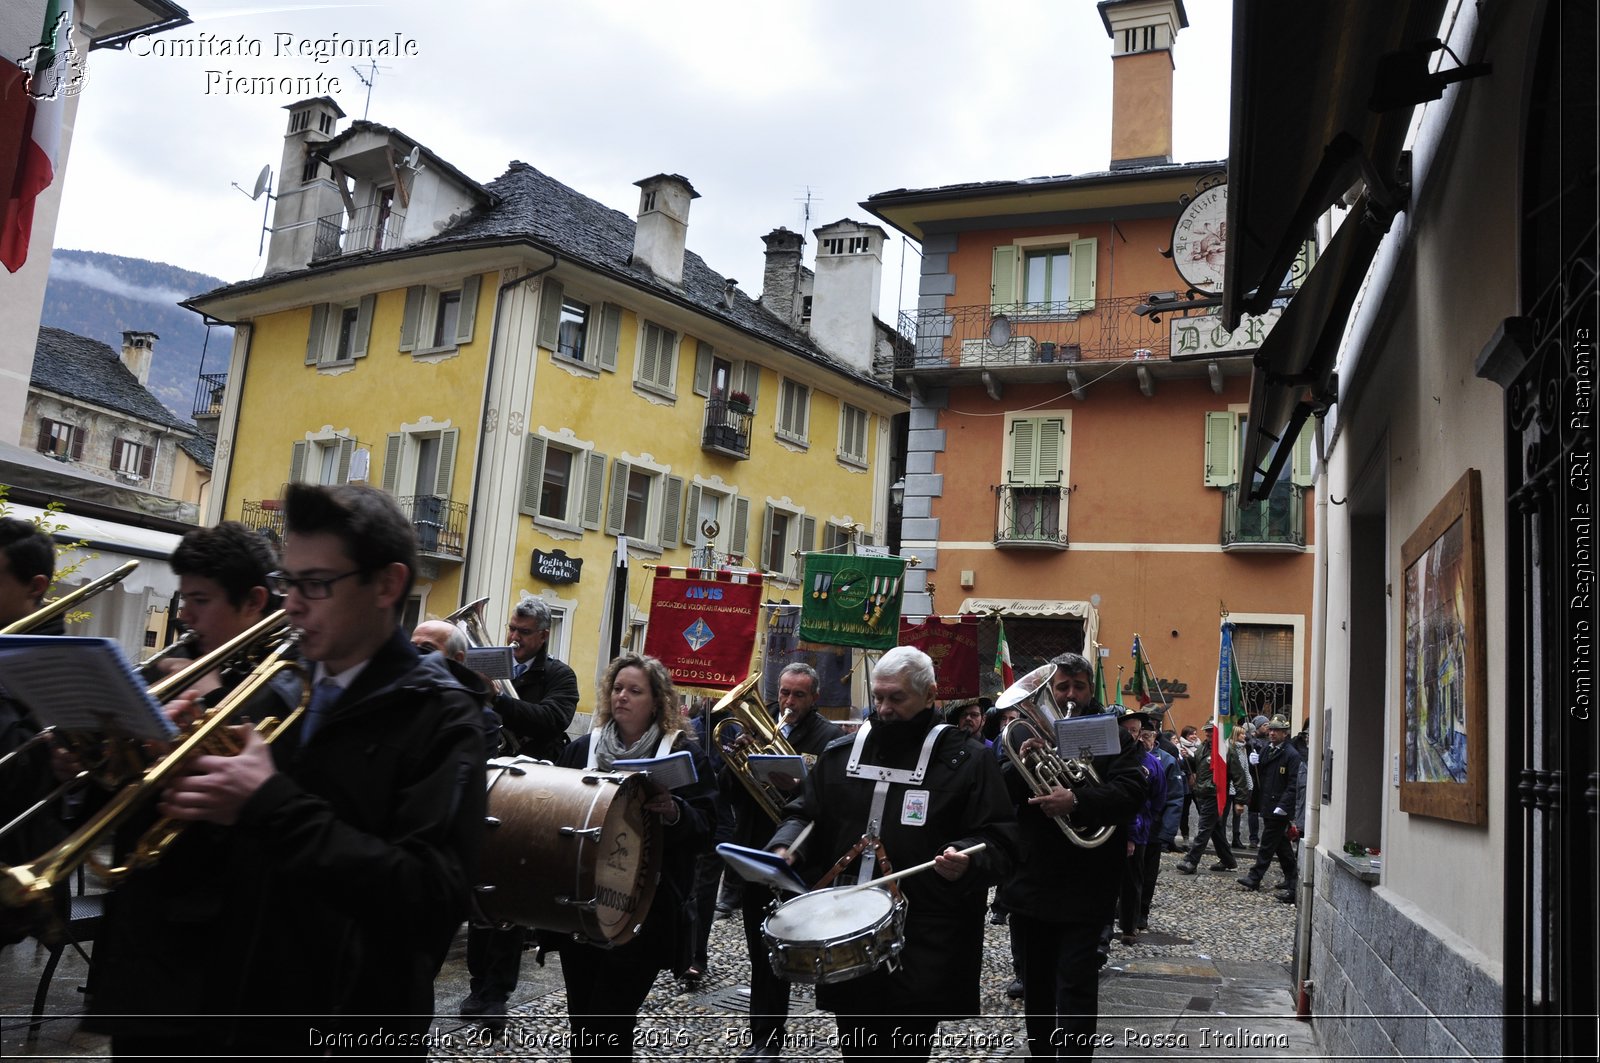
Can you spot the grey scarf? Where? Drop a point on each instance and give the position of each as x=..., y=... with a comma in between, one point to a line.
x=608, y=747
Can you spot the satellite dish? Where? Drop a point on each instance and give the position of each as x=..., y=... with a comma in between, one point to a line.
x=263, y=181
x=999, y=331
x=414, y=160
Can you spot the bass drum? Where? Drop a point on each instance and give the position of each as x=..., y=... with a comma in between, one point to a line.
x=568, y=850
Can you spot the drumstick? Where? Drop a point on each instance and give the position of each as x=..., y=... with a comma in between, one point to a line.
x=800, y=839
x=911, y=870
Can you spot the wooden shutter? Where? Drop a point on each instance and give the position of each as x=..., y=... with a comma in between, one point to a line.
x=1084, y=265
x=147, y=461
x=610, y=336
x=808, y=536
x=533, y=447
x=77, y=436
x=1003, y=279
x=1301, y=462
x=1222, y=463
x=766, y=539
x=1050, y=440
x=411, y=319
x=467, y=315
x=317, y=334
x=594, y=475
x=297, y=462
x=46, y=441
x=617, y=503
x=703, y=354
x=649, y=341
x=347, y=448
x=362, y=339
x=691, y=515
x=550, y=294
x=752, y=382
x=393, y=447
x=671, y=509
x=116, y=455
x=448, y=438
x=1024, y=451
x=739, y=538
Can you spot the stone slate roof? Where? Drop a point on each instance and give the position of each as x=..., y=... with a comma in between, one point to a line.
x=202, y=448
x=1034, y=184
x=90, y=371
x=528, y=206
x=361, y=125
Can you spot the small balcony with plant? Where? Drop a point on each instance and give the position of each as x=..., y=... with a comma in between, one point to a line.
x=727, y=425
x=1276, y=524
x=1031, y=518
x=440, y=524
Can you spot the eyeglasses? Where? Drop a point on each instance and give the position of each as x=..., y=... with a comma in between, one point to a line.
x=525, y=632
x=312, y=588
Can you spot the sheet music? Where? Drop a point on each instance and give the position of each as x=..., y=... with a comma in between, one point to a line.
x=1088, y=736
x=672, y=772
x=761, y=867
x=81, y=684
x=763, y=765
x=493, y=662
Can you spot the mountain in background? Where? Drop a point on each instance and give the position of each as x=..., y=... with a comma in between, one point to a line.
x=101, y=296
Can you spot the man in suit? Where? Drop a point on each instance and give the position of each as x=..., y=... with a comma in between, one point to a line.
x=1280, y=780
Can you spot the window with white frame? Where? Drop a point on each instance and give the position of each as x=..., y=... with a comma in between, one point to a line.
x=645, y=503
x=1044, y=275
x=562, y=482
x=439, y=317
x=1033, y=500
x=836, y=537
x=419, y=460
x=656, y=366
x=716, y=523
x=340, y=332
x=322, y=459
x=132, y=458
x=853, y=424
x=1226, y=432
x=786, y=534
x=794, y=411
x=574, y=330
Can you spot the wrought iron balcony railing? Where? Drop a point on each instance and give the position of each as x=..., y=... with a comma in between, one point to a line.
x=1030, y=516
x=264, y=514
x=1041, y=334
x=208, y=396
x=1277, y=522
x=370, y=228
x=440, y=524
x=727, y=428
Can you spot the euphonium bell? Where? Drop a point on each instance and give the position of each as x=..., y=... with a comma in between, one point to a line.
x=1043, y=769
x=746, y=710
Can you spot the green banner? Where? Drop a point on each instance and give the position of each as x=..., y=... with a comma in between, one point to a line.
x=851, y=600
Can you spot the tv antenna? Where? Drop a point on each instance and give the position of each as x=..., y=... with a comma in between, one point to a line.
x=367, y=79
x=263, y=186
x=805, y=211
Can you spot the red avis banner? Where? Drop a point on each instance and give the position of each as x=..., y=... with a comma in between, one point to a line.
x=953, y=645
x=703, y=625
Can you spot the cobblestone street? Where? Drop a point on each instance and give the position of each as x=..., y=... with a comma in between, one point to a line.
x=1210, y=979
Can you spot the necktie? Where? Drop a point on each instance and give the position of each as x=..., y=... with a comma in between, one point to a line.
x=518, y=669
x=322, y=698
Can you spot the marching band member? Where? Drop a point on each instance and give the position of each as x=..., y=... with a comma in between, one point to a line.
x=1063, y=894
x=638, y=715
x=337, y=872
x=810, y=733
x=927, y=791
x=222, y=587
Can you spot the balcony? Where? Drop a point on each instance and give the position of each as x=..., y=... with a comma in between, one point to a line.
x=440, y=524
x=1276, y=524
x=208, y=395
x=727, y=428
x=1030, y=517
x=1042, y=335
x=370, y=228
x=265, y=514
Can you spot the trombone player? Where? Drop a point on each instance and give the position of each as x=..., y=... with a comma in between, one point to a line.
x=340, y=853
x=1063, y=893
x=222, y=589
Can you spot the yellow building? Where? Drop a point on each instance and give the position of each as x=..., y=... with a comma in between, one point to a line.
x=533, y=374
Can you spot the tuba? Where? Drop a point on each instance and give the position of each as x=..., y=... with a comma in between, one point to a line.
x=469, y=618
x=746, y=710
x=25, y=889
x=1045, y=769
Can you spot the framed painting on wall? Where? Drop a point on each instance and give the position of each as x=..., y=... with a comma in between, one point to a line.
x=1443, y=747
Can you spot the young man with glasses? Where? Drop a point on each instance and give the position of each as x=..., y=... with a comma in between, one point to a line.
x=345, y=846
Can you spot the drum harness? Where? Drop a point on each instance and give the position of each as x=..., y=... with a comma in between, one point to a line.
x=881, y=778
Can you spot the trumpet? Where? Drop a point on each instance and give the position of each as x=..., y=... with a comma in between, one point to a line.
x=755, y=721
x=25, y=889
x=1045, y=769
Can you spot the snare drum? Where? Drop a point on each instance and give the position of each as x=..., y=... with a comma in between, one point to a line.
x=568, y=850
x=834, y=935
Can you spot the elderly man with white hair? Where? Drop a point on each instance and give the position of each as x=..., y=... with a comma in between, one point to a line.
x=925, y=791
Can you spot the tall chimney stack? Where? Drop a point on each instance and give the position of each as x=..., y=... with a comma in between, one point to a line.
x=1142, y=32
x=780, y=281
x=305, y=189
x=138, y=351
x=844, y=295
x=663, y=225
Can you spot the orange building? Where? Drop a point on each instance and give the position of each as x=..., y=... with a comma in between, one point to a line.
x=1062, y=469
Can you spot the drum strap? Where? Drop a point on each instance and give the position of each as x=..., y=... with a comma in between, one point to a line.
x=881, y=777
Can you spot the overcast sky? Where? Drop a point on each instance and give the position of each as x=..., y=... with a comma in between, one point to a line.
x=758, y=104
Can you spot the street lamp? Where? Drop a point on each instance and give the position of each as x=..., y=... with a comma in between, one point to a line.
x=897, y=493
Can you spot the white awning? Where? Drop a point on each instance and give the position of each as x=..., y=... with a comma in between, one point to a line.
x=1053, y=607
x=109, y=544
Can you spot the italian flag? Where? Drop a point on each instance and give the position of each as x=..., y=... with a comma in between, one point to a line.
x=1002, y=656
x=46, y=109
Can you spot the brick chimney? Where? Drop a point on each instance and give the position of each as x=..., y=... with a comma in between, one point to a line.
x=663, y=225
x=844, y=303
x=138, y=351
x=304, y=187
x=780, y=282
x=1141, y=32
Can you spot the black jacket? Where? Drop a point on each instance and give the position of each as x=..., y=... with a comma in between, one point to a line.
x=547, y=698
x=965, y=804
x=1280, y=779
x=1059, y=881
x=752, y=826
x=337, y=893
